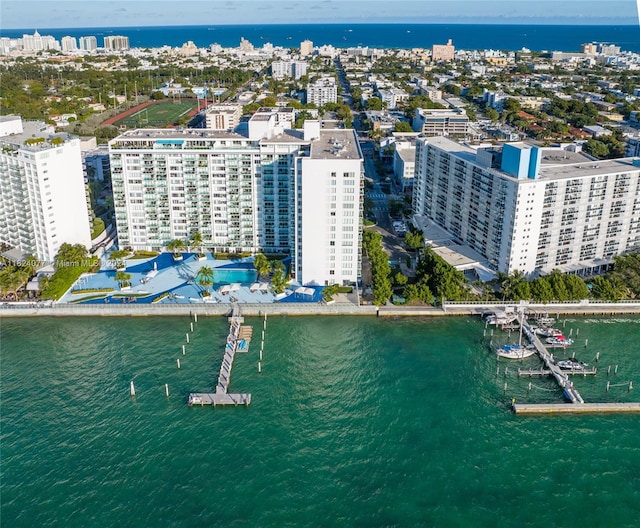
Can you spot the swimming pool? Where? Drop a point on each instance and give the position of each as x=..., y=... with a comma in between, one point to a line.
x=228, y=276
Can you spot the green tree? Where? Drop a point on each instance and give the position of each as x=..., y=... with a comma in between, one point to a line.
x=278, y=278
x=541, y=290
x=261, y=264
x=402, y=126
x=205, y=277
x=414, y=239
x=176, y=246
x=196, y=241
x=374, y=103
x=123, y=278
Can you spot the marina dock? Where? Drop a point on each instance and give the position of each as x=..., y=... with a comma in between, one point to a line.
x=563, y=408
x=546, y=372
x=570, y=392
x=237, y=341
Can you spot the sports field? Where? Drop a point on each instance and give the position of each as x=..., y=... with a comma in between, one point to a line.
x=160, y=114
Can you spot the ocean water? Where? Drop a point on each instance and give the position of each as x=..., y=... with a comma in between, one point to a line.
x=464, y=36
x=354, y=421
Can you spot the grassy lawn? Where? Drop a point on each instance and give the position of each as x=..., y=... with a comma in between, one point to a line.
x=159, y=114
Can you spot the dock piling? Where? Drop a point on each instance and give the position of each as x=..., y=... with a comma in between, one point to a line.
x=191, y=326
x=166, y=389
x=178, y=362
x=183, y=350
x=259, y=367
x=132, y=389
x=187, y=336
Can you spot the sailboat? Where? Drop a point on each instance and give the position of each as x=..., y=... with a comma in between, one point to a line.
x=518, y=351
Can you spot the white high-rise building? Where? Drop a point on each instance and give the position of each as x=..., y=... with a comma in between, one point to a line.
x=322, y=91
x=69, y=44
x=43, y=201
x=282, y=69
x=116, y=42
x=272, y=189
x=89, y=43
x=37, y=42
x=530, y=209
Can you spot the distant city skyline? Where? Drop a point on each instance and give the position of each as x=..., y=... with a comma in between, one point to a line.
x=25, y=14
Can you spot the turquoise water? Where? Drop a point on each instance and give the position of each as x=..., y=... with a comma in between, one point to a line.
x=228, y=276
x=353, y=422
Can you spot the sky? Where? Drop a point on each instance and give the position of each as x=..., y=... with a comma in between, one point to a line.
x=26, y=14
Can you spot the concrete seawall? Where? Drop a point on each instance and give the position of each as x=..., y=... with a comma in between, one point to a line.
x=293, y=309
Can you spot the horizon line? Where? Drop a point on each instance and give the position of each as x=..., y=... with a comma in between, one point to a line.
x=582, y=23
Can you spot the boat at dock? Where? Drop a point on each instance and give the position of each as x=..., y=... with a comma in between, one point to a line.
x=548, y=332
x=516, y=351
x=571, y=364
x=559, y=341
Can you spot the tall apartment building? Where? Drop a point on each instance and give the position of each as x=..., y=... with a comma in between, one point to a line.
x=443, y=52
x=306, y=47
x=89, y=43
x=441, y=121
x=322, y=91
x=282, y=69
x=224, y=116
x=69, y=44
x=272, y=189
x=116, y=42
x=528, y=209
x=37, y=42
x=43, y=199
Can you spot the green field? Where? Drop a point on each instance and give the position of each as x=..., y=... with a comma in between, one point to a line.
x=159, y=114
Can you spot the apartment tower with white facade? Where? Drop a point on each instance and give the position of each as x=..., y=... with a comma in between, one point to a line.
x=43, y=201
x=530, y=209
x=270, y=189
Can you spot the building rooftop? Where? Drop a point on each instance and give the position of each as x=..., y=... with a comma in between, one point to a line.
x=335, y=144
x=588, y=168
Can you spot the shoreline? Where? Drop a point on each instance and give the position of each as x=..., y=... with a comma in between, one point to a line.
x=306, y=309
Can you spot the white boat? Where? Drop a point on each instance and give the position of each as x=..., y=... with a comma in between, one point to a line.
x=559, y=341
x=571, y=364
x=516, y=351
x=546, y=331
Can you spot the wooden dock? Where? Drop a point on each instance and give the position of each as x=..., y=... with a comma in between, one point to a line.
x=570, y=392
x=234, y=344
x=547, y=372
x=582, y=408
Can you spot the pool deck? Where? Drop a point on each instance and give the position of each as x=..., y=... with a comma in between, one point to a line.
x=163, y=280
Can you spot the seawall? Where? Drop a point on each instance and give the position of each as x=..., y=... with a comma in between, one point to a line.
x=302, y=309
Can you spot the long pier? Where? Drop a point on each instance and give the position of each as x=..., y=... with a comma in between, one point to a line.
x=562, y=408
x=546, y=372
x=237, y=341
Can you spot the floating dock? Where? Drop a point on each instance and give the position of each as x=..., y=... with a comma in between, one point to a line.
x=564, y=408
x=237, y=341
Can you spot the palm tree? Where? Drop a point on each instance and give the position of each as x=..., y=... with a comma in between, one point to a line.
x=205, y=278
x=176, y=246
x=196, y=241
x=123, y=278
x=261, y=264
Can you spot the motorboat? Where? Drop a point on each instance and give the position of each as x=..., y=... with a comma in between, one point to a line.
x=546, y=331
x=559, y=341
x=516, y=351
x=571, y=364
